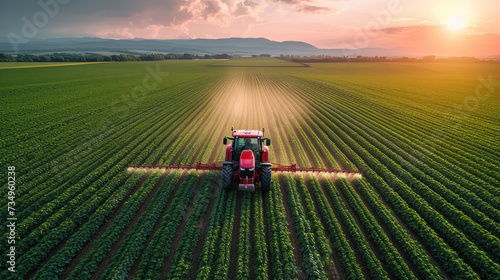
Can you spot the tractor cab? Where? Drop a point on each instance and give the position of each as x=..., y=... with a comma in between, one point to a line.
x=245, y=158
x=248, y=140
x=248, y=143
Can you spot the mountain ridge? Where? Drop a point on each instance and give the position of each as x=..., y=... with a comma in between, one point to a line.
x=233, y=46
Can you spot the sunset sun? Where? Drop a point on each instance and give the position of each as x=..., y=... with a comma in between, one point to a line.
x=456, y=23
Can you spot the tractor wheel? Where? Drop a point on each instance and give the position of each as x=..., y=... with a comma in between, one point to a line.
x=265, y=184
x=227, y=177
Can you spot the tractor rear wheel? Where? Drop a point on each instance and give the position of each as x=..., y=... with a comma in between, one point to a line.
x=227, y=177
x=265, y=183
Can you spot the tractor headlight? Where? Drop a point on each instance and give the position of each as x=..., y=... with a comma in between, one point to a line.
x=251, y=169
x=242, y=169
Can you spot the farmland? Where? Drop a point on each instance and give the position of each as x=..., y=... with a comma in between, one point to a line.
x=424, y=135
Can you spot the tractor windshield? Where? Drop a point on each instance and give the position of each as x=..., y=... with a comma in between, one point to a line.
x=253, y=144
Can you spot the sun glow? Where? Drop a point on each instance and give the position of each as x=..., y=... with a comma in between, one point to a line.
x=456, y=23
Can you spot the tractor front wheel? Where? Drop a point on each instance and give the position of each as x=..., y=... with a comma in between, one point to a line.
x=265, y=184
x=227, y=177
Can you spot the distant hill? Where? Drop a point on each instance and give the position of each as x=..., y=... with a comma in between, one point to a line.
x=233, y=46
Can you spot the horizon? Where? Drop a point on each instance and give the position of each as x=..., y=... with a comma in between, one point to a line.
x=450, y=27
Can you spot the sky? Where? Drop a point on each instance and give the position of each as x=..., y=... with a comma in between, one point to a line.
x=421, y=26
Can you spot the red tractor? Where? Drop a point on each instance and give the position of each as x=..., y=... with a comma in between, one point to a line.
x=247, y=161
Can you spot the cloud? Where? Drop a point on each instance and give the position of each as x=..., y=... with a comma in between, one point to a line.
x=304, y=6
x=241, y=10
x=292, y=2
x=402, y=29
x=244, y=8
x=212, y=8
x=250, y=3
x=308, y=9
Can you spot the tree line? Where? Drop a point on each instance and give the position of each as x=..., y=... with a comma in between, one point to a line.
x=93, y=57
x=429, y=58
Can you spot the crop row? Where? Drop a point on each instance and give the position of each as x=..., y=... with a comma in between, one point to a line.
x=391, y=256
x=343, y=102
x=215, y=255
x=79, y=205
x=313, y=261
x=417, y=254
x=211, y=237
x=282, y=257
x=477, y=258
x=349, y=96
x=66, y=192
x=377, y=118
x=409, y=174
x=45, y=243
x=160, y=245
x=183, y=257
x=220, y=266
x=102, y=246
x=259, y=246
x=454, y=195
x=371, y=261
x=243, y=258
x=54, y=267
x=317, y=228
x=65, y=167
x=450, y=260
x=130, y=249
x=337, y=236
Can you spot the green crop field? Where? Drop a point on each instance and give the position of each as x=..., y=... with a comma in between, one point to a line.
x=424, y=135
